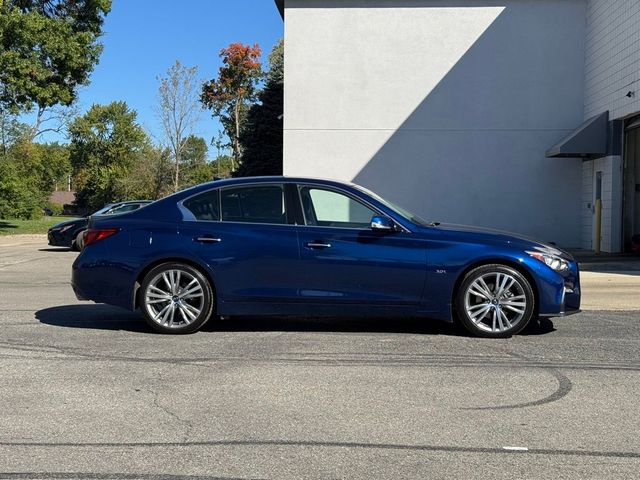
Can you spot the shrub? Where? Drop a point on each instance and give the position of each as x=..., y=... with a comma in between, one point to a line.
x=19, y=198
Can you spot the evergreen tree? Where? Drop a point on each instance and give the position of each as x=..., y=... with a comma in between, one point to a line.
x=261, y=135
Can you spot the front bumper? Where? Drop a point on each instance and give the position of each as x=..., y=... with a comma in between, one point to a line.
x=57, y=239
x=560, y=293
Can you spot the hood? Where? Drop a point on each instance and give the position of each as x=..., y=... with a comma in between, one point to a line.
x=494, y=236
x=60, y=225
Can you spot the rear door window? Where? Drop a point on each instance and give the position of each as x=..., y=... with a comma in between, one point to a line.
x=255, y=204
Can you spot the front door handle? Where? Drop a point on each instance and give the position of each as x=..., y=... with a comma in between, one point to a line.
x=207, y=239
x=318, y=245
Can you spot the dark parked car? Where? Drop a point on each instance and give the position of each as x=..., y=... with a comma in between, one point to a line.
x=298, y=246
x=69, y=233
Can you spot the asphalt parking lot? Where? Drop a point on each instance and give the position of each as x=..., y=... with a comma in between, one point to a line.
x=88, y=392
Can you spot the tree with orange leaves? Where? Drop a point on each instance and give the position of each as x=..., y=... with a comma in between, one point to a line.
x=230, y=94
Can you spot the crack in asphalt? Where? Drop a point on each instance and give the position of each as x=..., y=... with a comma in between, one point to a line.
x=329, y=360
x=188, y=425
x=328, y=444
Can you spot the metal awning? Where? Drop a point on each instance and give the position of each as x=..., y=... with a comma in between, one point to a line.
x=589, y=140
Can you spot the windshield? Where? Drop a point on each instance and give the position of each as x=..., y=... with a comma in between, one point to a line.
x=403, y=212
x=102, y=210
x=128, y=207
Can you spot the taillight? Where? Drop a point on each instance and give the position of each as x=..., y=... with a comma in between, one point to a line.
x=95, y=235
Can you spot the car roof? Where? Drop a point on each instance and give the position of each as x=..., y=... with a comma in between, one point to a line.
x=270, y=179
x=160, y=205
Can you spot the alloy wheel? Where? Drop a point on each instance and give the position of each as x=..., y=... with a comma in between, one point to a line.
x=495, y=302
x=174, y=298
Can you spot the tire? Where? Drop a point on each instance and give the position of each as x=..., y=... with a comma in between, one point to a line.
x=74, y=243
x=176, y=298
x=80, y=240
x=494, y=301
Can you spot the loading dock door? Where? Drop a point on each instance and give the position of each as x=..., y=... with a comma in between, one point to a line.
x=631, y=175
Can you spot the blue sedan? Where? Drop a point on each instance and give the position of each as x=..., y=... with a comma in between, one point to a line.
x=300, y=246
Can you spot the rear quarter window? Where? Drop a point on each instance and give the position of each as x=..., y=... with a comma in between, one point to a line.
x=205, y=206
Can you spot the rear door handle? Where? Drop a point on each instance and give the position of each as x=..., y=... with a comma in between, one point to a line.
x=207, y=239
x=318, y=245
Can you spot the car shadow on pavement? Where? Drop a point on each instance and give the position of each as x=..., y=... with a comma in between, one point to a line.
x=539, y=326
x=93, y=316
x=410, y=325
x=55, y=249
x=105, y=317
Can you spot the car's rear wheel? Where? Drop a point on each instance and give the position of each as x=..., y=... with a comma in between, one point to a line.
x=176, y=298
x=495, y=301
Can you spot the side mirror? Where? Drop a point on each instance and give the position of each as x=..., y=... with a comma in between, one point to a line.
x=382, y=224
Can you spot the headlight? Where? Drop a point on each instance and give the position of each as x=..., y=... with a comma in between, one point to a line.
x=552, y=261
x=65, y=228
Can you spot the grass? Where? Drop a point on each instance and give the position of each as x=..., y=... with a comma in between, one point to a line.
x=18, y=227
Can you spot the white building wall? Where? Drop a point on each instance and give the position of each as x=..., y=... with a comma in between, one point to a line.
x=612, y=69
x=445, y=107
x=612, y=57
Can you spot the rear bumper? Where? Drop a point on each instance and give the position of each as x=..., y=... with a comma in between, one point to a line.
x=101, y=281
x=56, y=239
x=78, y=292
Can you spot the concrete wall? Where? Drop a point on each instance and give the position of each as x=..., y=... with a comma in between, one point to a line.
x=445, y=107
x=612, y=57
x=587, y=206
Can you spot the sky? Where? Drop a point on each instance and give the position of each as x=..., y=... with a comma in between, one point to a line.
x=143, y=38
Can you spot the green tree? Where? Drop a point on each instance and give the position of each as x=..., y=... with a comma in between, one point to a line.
x=19, y=196
x=28, y=174
x=196, y=169
x=106, y=143
x=151, y=176
x=261, y=134
x=16, y=198
x=233, y=91
x=222, y=166
x=47, y=49
x=11, y=130
x=56, y=166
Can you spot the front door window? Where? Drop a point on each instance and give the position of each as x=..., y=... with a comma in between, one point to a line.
x=328, y=208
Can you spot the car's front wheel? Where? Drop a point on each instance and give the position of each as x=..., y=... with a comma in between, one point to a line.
x=75, y=243
x=495, y=301
x=176, y=298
